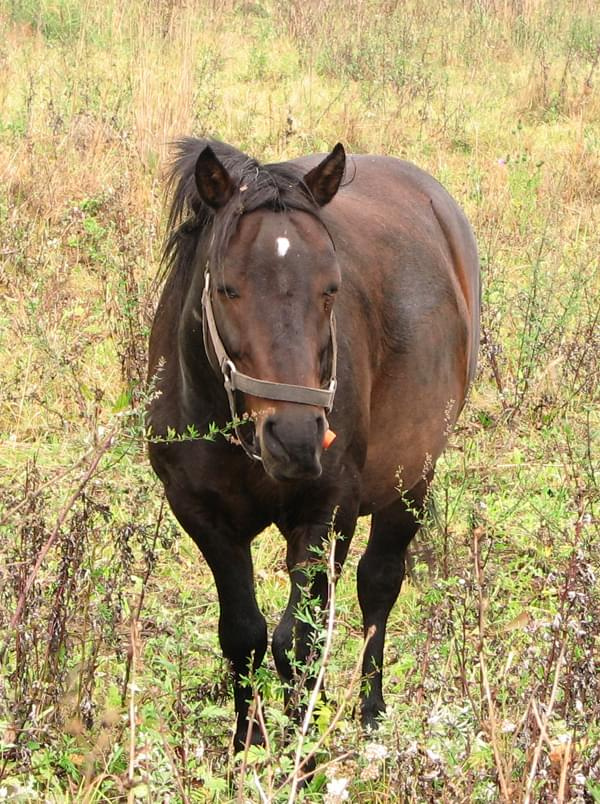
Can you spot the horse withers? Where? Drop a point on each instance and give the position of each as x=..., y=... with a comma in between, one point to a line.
x=316, y=295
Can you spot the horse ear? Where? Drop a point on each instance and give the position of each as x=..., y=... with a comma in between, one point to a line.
x=324, y=180
x=212, y=179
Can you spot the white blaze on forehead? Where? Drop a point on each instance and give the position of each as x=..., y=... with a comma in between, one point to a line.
x=283, y=245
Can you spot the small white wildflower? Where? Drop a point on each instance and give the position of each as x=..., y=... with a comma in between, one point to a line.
x=580, y=778
x=375, y=752
x=433, y=755
x=371, y=773
x=508, y=727
x=579, y=706
x=101, y=431
x=336, y=790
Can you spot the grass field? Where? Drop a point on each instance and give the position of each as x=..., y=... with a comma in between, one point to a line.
x=112, y=687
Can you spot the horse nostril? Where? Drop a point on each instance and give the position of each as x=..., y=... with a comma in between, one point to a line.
x=271, y=439
x=322, y=425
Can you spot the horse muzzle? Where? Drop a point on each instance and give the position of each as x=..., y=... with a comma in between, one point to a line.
x=291, y=442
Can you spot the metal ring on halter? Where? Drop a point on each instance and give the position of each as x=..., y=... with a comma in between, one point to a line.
x=228, y=368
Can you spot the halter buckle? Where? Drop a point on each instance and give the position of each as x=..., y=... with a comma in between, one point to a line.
x=331, y=388
x=229, y=371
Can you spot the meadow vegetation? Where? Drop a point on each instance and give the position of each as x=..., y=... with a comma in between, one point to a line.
x=112, y=687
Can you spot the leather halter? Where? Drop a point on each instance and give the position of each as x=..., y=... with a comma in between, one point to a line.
x=234, y=380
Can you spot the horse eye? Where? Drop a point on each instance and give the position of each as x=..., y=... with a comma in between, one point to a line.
x=227, y=290
x=328, y=297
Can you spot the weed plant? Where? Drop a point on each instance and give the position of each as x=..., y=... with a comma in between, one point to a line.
x=112, y=686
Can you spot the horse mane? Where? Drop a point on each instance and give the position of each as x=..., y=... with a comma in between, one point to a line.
x=278, y=186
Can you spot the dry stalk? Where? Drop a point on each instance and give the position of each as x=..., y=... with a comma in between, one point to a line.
x=138, y=609
x=560, y=661
x=334, y=761
x=493, y=728
x=255, y=715
x=134, y=652
x=265, y=734
x=425, y=662
x=8, y=514
x=102, y=448
x=131, y=669
x=172, y=761
x=544, y=723
x=566, y=761
x=298, y=762
x=340, y=711
x=541, y=725
x=247, y=744
x=263, y=796
x=335, y=720
x=90, y=794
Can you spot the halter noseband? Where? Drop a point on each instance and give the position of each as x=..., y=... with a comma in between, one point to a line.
x=234, y=380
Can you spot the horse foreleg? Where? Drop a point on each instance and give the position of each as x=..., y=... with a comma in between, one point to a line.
x=380, y=575
x=295, y=649
x=242, y=627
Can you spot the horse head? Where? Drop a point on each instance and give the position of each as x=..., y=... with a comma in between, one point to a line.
x=269, y=292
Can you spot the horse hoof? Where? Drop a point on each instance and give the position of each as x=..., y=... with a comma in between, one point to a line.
x=307, y=772
x=241, y=738
x=370, y=717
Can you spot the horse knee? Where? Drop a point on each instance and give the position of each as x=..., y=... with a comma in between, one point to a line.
x=291, y=636
x=379, y=582
x=243, y=641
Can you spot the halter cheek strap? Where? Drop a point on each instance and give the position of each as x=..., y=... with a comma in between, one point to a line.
x=234, y=380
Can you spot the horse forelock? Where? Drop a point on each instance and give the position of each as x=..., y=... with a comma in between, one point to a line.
x=278, y=187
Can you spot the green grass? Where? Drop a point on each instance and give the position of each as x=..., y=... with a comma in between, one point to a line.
x=106, y=695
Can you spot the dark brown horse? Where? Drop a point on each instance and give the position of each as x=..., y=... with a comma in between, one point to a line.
x=287, y=286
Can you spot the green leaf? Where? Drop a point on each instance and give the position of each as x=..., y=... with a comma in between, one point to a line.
x=213, y=711
x=122, y=402
x=594, y=790
x=256, y=754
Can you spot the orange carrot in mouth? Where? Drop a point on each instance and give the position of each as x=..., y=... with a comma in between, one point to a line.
x=328, y=439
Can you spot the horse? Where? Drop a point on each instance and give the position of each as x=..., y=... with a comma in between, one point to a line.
x=319, y=296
